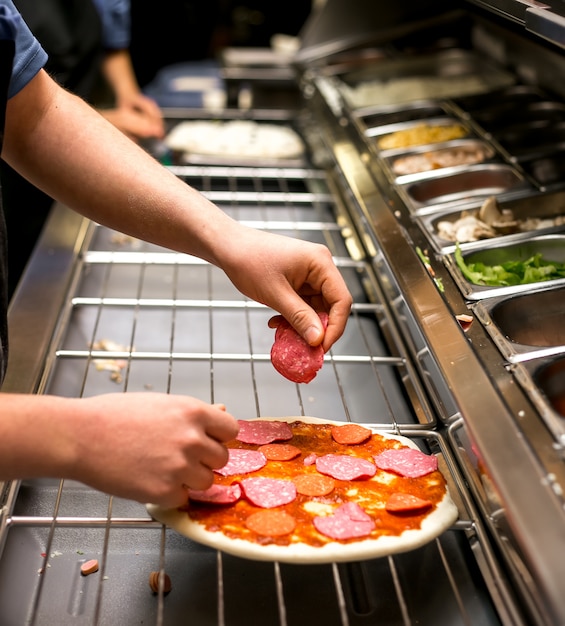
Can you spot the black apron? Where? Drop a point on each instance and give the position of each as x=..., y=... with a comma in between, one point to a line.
x=7, y=49
x=70, y=31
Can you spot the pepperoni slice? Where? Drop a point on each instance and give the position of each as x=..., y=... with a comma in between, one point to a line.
x=216, y=494
x=350, y=434
x=291, y=355
x=349, y=521
x=407, y=462
x=262, y=432
x=314, y=484
x=406, y=503
x=242, y=462
x=344, y=467
x=268, y=493
x=279, y=451
x=271, y=523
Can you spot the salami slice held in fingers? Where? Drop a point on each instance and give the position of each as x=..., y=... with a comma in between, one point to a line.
x=344, y=467
x=260, y=433
x=242, y=462
x=292, y=356
x=406, y=462
x=268, y=493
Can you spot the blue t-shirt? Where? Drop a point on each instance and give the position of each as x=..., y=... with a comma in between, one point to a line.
x=116, y=23
x=29, y=57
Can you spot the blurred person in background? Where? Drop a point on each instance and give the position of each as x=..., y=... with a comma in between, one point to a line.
x=193, y=30
x=87, y=42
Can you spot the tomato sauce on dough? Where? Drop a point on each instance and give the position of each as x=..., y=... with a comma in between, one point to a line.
x=371, y=495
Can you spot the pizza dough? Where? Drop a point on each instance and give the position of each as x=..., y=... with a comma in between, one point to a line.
x=346, y=520
x=238, y=138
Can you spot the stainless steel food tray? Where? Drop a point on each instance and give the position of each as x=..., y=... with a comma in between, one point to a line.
x=552, y=247
x=379, y=131
x=373, y=117
x=392, y=156
x=529, y=204
x=462, y=186
x=540, y=378
x=526, y=325
x=450, y=64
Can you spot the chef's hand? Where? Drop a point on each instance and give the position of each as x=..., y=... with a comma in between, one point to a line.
x=137, y=116
x=149, y=447
x=294, y=277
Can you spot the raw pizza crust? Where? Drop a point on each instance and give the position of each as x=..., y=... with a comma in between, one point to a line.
x=439, y=520
x=238, y=138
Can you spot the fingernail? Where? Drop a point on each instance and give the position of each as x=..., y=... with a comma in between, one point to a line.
x=312, y=335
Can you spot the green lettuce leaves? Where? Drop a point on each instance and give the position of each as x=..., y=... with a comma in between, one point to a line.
x=532, y=270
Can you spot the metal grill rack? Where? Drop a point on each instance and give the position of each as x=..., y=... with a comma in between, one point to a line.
x=177, y=325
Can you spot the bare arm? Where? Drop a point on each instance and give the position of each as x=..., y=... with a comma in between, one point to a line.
x=142, y=446
x=67, y=149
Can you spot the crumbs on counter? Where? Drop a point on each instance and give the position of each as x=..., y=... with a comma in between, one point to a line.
x=155, y=578
x=89, y=567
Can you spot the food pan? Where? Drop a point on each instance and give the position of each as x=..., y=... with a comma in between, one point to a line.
x=447, y=74
x=513, y=219
x=526, y=326
x=500, y=101
x=456, y=186
x=528, y=141
x=417, y=133
x=542, y=112
x=550, y=378
x=551, y=248
x=546, y=170
x=543, y=381
x=375, y=117
x=449, y=154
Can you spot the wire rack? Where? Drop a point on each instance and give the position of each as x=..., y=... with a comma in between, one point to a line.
x=141, y=318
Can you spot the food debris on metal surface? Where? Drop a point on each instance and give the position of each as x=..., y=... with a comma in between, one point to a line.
x=114, y=366
x=89, y=567
x=155, y=578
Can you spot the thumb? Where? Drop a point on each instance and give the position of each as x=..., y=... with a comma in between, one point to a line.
x=305, y=321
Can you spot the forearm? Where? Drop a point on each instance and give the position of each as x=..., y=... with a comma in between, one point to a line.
x=80, y=159
x=35, y=436
x=118, y=71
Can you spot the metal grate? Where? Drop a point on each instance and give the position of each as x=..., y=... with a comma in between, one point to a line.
x=174, y=324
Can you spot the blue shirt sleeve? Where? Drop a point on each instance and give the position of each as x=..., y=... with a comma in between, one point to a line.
x=29, y=56
x=116, y=23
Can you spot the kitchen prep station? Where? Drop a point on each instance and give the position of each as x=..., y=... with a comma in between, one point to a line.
x=430, y=151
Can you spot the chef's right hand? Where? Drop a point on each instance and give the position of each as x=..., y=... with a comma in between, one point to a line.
x=150, y=447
